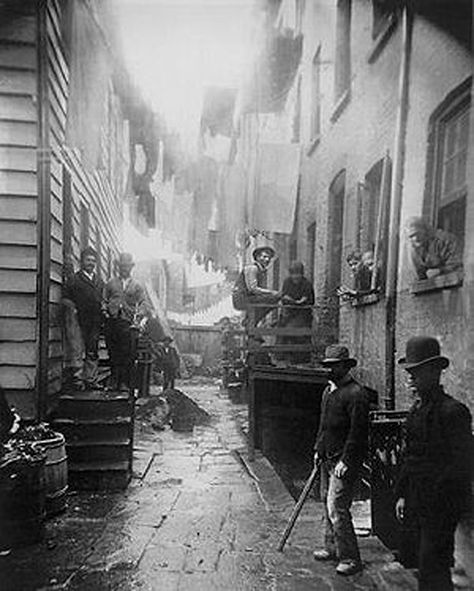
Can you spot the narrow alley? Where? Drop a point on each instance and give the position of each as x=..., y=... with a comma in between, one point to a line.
x=195, y=517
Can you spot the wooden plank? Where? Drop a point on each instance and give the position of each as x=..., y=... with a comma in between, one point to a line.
x=55, y=293
x=17, y=208
x=17, y=81
x=18, y=354
x=55, y=349
x=18, y=56
x=13, y=232
x=17, y=108
x=57, y=50
x=15, y=377
x=56, y=272
x=18, y=280
x=254, y=348
x=18, y=257
x=56, y=229
x=59, y=92
x=15, y=133
x=58, y=108
x=55, y=66
x=55, y=333
x=14, y=182
x=281, y=331
x=23, y=31
x=17, y=329
x=16, y=158
x=56, y=251
x=18, y=305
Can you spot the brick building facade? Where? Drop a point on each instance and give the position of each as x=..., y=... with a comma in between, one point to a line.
x=350, y=107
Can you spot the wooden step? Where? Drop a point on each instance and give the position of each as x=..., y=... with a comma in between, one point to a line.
x=94, y=430
x=99, y=452
x=92, y=406
x=100, y=475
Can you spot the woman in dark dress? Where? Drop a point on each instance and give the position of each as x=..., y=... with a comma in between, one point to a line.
x=297, y=299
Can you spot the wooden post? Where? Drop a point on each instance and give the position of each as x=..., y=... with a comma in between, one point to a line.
x=44, y=210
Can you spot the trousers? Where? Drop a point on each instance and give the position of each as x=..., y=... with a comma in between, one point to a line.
x=339, y=535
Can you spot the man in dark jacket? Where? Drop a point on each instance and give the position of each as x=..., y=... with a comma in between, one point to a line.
x=86, y=291
x=341, y=446
x=433, y=490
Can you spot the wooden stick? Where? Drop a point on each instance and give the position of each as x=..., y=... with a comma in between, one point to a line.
x=297, y=510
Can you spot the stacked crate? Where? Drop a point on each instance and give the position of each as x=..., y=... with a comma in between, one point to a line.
x=98, y=427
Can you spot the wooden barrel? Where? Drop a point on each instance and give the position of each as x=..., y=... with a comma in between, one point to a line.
x=55, y=473
x=22, y=501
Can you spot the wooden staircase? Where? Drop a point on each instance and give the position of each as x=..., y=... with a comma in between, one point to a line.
x=98, y=427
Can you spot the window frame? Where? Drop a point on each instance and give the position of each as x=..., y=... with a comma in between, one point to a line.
x=456, y=101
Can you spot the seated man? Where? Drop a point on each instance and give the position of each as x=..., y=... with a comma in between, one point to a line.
x=297, y=298
x=250, y=287
x=432, y=249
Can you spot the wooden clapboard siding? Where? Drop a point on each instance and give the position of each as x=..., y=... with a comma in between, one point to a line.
x=18, y=207
x=57, y=98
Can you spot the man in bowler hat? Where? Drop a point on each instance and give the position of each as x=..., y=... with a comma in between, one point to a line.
x=126, y=305
x=341, y=446
x=433, y=489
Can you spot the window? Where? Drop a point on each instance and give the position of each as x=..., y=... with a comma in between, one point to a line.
x=343, y=50
x=445, y=200
x=382, y=14
x=316, y=95
x=311, y=250
x=452, y=170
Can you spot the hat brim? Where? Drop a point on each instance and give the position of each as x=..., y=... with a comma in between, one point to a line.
x=440, y=359
x=333, y=360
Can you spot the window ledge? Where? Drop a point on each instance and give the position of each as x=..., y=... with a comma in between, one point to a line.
x=450, y=280
x=341, y=105
x=313, y=145
x=382, y=38
x=366, y=300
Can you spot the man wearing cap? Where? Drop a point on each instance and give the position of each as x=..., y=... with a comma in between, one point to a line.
x=126, y=305
x=341, y=445
x=86, y=291
x=250, y=287
x=432, y=250
x=433, y=489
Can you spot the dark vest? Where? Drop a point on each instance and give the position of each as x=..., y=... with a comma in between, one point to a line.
x=240, y=292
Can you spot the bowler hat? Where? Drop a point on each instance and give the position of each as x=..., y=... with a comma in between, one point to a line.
x=421, y=350
x=125, y=258
x=260, y=249
x=336, y=354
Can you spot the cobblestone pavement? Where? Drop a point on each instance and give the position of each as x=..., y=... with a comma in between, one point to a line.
x=196, y=517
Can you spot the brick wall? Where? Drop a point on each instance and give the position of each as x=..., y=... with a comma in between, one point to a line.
x=354, y=141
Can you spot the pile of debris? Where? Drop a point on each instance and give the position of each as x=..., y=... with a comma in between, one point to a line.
x=173, y=408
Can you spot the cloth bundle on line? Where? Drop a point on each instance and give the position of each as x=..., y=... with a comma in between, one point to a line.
x=277, y=187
